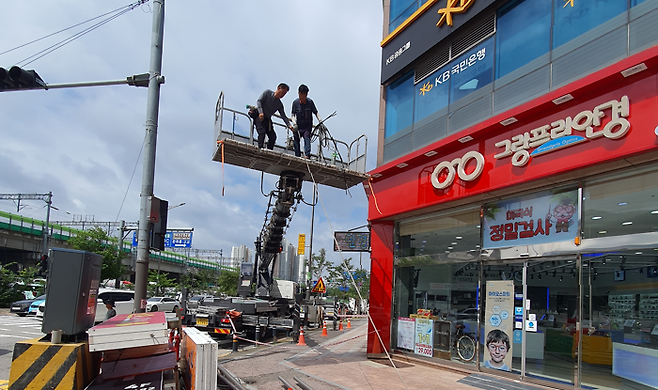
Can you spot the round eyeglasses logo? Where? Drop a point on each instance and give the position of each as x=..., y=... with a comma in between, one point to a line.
x=457, y=167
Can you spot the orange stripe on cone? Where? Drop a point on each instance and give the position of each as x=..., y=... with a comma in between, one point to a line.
x=324, y=329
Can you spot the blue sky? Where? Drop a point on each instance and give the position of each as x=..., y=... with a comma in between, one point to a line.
x=83, y=144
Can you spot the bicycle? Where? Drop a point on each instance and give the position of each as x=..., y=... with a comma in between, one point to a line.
x=464, y=344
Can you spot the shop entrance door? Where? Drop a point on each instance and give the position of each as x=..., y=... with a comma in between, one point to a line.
x=539, y=329
x=549, y=336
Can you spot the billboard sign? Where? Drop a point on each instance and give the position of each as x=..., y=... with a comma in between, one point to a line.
x=352, y=241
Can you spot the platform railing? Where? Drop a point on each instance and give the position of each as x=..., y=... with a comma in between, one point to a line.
x=331, y=151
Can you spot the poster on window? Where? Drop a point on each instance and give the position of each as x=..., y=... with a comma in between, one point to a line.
x=424, y=340
x=406, y=331
x=498, y=326
x=545, y=217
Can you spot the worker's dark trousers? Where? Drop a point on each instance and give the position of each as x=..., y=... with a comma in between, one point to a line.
x=265, y=127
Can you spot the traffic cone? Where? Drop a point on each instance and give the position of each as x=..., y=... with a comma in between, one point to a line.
x=340, y=325
x=349, y=325
x=302, y=341
x=324, y=329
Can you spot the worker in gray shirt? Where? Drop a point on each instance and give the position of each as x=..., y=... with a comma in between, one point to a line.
x=268, y=103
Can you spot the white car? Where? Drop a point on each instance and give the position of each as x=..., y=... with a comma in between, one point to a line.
x=41, y=309
x=124, y=302
x=162, y=304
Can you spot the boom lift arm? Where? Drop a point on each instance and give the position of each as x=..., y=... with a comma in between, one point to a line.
x=268, y=243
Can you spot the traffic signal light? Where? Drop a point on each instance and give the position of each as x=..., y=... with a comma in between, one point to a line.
x=158, y=217
x=43, y=265
x=17, y=78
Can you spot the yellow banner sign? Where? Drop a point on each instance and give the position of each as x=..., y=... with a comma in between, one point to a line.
x=301, y=244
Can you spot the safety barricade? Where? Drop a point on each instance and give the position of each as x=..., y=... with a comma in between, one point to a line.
x=42, y=365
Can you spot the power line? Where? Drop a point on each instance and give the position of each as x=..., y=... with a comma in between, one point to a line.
x=65, y=41
x=60, y=31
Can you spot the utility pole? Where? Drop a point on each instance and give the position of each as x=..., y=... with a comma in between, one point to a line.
x=310, y=249
x=148, y=171
x=49, y=202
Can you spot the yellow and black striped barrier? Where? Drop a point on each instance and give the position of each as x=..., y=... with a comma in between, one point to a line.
x=40, y=365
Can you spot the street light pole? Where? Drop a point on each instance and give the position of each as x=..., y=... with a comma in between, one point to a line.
x=148, y=172
x=49, y=202
x=309, y=276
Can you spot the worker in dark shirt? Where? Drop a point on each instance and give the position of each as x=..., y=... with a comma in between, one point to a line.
x=268, y=103
x=303, y=109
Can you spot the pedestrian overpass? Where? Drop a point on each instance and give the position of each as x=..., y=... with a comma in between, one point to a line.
x=21, y=240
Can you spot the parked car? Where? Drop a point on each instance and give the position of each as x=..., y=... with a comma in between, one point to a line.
x=470, y=313
x=34, y=307
x=41, y=310
x=22, y=308
x=124, y=301
x=162, y=304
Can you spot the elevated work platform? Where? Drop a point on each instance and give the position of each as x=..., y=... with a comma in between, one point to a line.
x=335, y=163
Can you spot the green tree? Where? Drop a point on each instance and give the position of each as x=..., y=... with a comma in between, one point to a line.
x=320, y=264
x=362, y=279
x=159, y=283
x=97, y=241
x=26, y=277
x=339, y=279
x=199, y=281
x=227, y=282
x=8, y=292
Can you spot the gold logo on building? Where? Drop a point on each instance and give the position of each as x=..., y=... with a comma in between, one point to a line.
x=453, y=8
x=425, y=88
x=567, y=3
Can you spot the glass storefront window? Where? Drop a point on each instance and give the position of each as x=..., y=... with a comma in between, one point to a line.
x=570, y=22
x=442, y=299
x=399, y=104
x=523, y=34
x=621, y=204
x=472, y=71
x=436, y=276
x=452, y=236
x=620, y=320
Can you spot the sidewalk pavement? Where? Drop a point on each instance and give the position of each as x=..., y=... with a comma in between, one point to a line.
x=335, y=362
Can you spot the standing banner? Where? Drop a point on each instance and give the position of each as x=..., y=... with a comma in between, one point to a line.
x=424, y=340
x=498, y=327
x=406, y=331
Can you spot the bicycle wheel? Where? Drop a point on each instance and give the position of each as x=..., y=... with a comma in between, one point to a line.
x=466, y=348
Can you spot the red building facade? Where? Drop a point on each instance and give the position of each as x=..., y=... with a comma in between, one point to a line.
x=480, y=205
